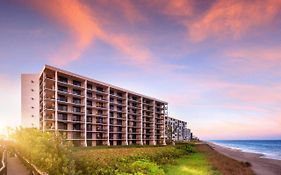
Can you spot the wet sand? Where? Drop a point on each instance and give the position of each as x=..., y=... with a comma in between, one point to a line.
x=260, y=166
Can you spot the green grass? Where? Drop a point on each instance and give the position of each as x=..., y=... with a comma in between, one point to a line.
x=193, y=164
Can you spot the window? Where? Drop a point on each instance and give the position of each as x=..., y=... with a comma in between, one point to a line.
x=32, y=115
x=32, y=81
x=62, y=79
x=32, y=90
x=76, y=83
x=89, y=86
x=76, y=92
x=100, y=89
x=62, y=88
x=32, y=107
x=32, y=98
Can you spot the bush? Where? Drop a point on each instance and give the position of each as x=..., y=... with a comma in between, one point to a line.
x=51, y=153
x=48, y=151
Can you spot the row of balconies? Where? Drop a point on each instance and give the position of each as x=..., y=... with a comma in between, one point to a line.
x=79, y=84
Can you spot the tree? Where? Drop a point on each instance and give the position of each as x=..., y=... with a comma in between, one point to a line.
x=50, y=152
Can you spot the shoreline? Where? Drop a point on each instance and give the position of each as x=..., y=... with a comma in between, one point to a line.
x=260, y=165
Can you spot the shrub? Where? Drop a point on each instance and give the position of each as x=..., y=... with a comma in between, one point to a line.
x=48, y=151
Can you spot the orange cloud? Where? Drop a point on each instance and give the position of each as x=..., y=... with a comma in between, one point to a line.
x=128, y=8
x=82, y=23
x=177, y=8
x=232, y=18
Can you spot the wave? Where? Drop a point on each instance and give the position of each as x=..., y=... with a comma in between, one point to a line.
x=268, y=151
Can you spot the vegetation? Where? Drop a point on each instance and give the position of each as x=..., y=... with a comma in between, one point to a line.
x=141, y=160
x=49, y=152
x=52, y=154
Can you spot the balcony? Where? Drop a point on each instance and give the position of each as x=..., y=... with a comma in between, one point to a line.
x=49, y=117
x=63, y=89
x=76, y=109
x=76, y=118
x=63, y=118
x=89, y=87
x=76, y=92
x=62, y=100
x=100, y=89
x=89, y=119
x=62, y=108
x=77, y=102
x=62, y=127
x=76, y=83
x=76, y=127
x=62, y=79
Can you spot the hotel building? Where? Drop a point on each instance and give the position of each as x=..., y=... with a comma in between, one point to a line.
x=89, y=112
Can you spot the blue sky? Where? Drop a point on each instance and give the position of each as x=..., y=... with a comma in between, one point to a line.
x=216, y=62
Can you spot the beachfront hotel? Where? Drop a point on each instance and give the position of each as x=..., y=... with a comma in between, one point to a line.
x=89, y=112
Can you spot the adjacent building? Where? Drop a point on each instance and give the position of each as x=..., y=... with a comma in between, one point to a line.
x=89, y=112
x=176, y=130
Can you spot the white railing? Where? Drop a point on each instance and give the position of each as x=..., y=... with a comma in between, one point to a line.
x=3, y=169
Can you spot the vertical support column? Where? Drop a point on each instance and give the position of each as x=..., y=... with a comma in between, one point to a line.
x=153, y=119
x=141, y=122
x=126, y=118
x=108, y=115
x=165, y=114
x=85, y=116
x=43, y=99
x=56, y=101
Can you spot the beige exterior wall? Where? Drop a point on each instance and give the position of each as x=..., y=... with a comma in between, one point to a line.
x=89, y=112
x=30, y=100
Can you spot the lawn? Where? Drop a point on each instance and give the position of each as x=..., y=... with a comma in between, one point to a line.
x=193, y=164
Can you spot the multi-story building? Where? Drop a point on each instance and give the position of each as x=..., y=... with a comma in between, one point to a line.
x=89, y=112
x=176, y=130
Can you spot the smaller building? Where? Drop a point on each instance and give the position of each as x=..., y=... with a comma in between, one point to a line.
x=176, y=130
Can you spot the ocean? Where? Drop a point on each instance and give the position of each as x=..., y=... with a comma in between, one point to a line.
x=268, y=148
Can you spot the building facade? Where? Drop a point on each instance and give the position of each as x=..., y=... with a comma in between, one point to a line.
x=89, y=112
x=30, y=100
x=176, y=130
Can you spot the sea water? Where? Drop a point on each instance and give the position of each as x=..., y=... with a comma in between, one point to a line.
x=268, y=148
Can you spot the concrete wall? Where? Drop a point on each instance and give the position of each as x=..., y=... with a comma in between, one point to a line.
x=30, y=100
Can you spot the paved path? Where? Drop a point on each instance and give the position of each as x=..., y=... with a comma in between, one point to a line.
x=15, y=167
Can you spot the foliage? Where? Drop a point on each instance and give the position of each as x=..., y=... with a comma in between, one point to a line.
x=48, y=151
x=123, y=160
x=51, y=153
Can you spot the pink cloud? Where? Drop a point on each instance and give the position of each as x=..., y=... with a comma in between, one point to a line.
x=232, y=18
x=252, y=59
x=84, y=27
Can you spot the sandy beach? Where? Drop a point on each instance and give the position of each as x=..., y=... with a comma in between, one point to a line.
x=260, y=166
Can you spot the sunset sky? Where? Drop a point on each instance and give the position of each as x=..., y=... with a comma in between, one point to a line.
x=217, y=63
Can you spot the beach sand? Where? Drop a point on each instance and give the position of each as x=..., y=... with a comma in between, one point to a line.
x=260, y=166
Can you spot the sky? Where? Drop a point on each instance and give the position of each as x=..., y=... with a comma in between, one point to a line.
x=216, y=62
